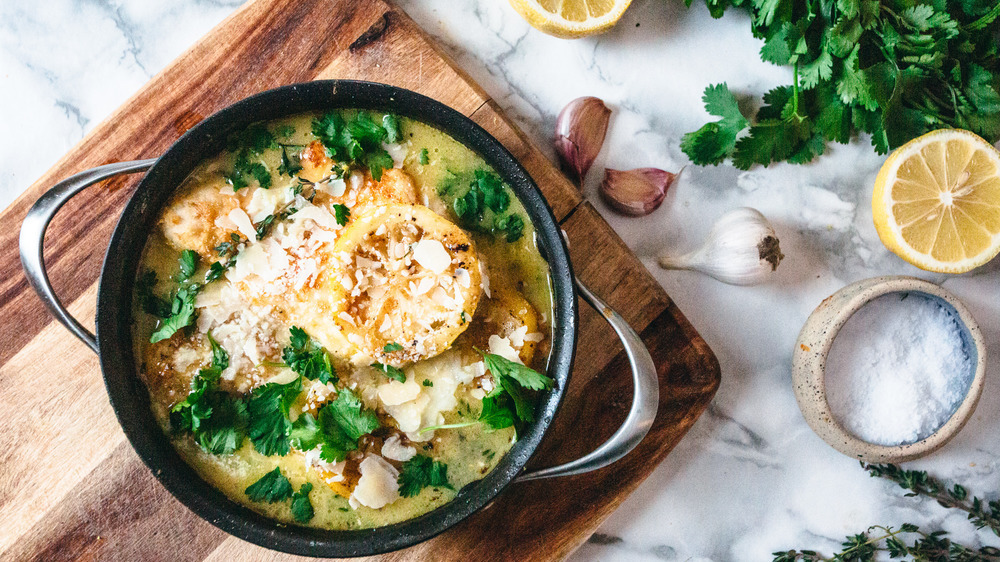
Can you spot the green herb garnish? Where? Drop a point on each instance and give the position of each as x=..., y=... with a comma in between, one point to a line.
x=302, y=508
x=273, y=487
x=148, y=301
x=428, y=382
x=339, y=426
x=182, y=313
x=420, y=472
x=425, y=157
x=358, y=141
x=188, y=264
x=393, y=373
x=215, y=418
x=342, y=213
x=269, y=427
x=391, y=347
x=308, y=358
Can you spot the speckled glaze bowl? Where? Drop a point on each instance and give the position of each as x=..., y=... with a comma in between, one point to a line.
x=816, y=338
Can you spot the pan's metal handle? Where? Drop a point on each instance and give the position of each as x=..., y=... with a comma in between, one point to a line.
x=33, y=237
x=645, y=400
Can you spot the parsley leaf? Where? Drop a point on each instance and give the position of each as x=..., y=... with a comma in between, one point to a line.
x=216, y=418
x=392, y=129
x=273, y=487
x=302, y=509
x=308, y=358
x=182, y=313
x=342, y=213
x=420, y=472
x=512, y=226
x=393, y=373
x=341, y=423
x=391, y=347
x=189, y=263
x=425, y=157
x=494, y=195
x=714, y=141
x=269, y=426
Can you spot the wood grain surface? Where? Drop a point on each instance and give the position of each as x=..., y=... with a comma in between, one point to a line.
x=70, y=485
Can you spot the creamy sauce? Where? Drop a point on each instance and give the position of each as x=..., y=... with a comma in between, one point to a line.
x=299, y=274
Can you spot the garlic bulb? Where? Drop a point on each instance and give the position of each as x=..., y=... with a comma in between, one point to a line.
x=580, y=130
x=741, y=249
x=635, y=192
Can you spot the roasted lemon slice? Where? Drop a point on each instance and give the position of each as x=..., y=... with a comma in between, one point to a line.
x=936, y=202
x=406, y=283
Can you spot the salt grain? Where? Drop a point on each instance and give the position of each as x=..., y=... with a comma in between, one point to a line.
x=898, y=369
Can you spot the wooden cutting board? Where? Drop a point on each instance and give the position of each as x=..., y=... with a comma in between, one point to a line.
x=70, y=485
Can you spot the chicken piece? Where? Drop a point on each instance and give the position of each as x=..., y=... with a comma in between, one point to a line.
x=402, y=275
x=190, y=221
x=168, y=367
x=316, y=165
x=395, y=186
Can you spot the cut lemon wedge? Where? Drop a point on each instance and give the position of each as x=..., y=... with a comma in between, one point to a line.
x=936, y=202
x=570, y=19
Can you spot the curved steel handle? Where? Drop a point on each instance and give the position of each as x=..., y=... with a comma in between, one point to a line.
x=645, y=400
x=37, y=221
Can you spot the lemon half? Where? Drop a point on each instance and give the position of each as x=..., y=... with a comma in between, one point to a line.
x=570, y=19
x=936, y=202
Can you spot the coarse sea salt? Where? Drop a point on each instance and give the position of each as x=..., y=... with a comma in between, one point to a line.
x=898, y=369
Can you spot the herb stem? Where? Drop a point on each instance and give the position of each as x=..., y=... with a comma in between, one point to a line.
x=987, y=19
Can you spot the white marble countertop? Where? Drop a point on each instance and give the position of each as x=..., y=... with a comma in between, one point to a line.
x=751, y=477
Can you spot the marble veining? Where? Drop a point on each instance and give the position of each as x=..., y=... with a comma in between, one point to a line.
x=751, y=477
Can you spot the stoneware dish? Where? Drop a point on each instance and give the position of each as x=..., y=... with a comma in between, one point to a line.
x=816, y=338
x=130, y=400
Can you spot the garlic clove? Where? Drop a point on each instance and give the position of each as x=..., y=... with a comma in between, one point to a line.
x=580, y=130
x=741, y=249
x=635, y=192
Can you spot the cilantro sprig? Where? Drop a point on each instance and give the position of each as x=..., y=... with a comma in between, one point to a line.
x=894, y=69
x=420, y=472
x=358, y=141
x=273, y=487
x=215, y=418
x=394, y=373
x=269, y=426
x=509, y=403
x=337, y=429
x=248, y=146
x=308, y=358
x=481, y=201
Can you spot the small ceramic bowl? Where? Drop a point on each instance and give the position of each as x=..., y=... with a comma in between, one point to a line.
x=816, y=338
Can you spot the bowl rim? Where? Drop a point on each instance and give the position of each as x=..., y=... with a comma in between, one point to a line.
x=814, y=344
x=128, y=395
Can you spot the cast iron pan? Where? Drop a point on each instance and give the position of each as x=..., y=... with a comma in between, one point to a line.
x=130, y=399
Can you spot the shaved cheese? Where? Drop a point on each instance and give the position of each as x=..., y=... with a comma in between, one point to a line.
x=501, y=346
x=243, y=223
x=517, y=336
x=393, y=449
x=397, y=152
x=463, y=277
x=534, y=337
x=485, y=278
x=335, y=187
x=431, y=254
x=394, y=393
x=377, y=486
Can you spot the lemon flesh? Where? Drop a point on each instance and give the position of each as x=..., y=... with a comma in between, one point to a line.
x=571, y=18
x=936, y=202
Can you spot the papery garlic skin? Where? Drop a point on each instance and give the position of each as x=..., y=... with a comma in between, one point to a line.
x=580, y=130
x=741, y=249
x=635, y=192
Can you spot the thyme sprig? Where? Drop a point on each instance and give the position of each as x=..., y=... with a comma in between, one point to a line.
x=909, y=540
x=982, y=513
x=866, y=546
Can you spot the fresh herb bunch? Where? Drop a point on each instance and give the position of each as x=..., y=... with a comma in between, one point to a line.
x=894, y=68
x=358, y=141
